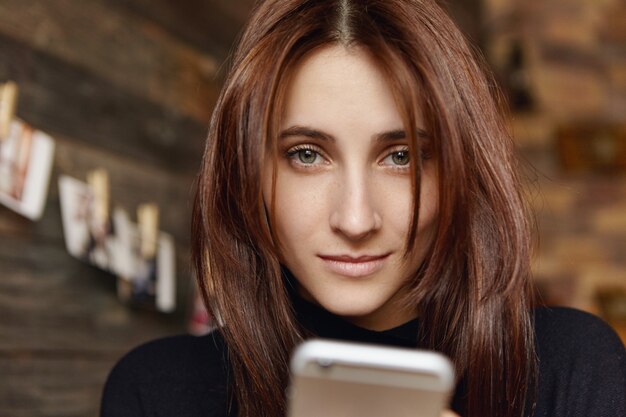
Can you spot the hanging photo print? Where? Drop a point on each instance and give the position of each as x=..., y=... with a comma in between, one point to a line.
x=8, y=102
x=26, y=156
x=85, y=217
x=144, y=261
x=141, y=256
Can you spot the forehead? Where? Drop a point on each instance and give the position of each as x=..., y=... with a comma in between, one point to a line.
x=335, y=85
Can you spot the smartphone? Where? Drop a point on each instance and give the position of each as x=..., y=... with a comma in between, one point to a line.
x=341, y=379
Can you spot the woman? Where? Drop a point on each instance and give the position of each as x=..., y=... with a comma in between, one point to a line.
x=359, y=183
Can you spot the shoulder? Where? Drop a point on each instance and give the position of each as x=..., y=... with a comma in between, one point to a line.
x=570, y=331
x=171, y=372
x=582, y=365
x=174, y=356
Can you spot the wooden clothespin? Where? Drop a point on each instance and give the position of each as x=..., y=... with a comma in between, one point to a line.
x=8, y=103
x=148, y=219
x=98, y=180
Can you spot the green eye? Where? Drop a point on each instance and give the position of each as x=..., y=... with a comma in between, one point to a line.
x=307, y=156
x=304, y=155
x=400, y=157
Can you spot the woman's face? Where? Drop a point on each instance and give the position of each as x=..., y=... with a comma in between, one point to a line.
x=343, y=202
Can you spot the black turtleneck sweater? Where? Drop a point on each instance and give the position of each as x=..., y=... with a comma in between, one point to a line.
x=582, y=367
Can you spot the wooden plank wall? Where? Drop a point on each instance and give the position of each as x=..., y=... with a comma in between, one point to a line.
x=123, y=85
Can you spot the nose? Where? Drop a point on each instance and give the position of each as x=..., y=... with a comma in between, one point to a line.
x=354, y=214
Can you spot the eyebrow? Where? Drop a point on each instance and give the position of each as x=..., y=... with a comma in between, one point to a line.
x=309, y=132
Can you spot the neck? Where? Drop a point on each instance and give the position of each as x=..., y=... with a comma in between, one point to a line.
x=318, y=322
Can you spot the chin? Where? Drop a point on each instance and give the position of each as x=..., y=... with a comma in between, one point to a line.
x=349, y=308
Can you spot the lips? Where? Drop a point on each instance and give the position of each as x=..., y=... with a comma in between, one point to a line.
x=354, y=266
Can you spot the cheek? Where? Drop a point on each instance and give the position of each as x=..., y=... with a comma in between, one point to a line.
x=429, y=200
x=395, y=200
x=427, y=227
x=300, y=208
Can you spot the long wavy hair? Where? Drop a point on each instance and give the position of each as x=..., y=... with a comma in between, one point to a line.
x=473, y=288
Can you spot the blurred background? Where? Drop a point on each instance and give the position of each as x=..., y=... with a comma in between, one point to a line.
x=127, y=86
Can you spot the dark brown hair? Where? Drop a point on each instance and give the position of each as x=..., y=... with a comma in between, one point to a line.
x=472, y=290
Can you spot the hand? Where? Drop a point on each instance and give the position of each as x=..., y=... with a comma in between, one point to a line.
x=448, y=413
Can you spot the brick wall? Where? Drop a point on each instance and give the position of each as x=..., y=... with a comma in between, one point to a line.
x=575, y=71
